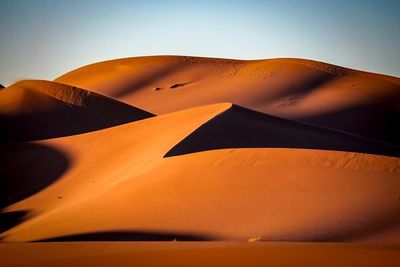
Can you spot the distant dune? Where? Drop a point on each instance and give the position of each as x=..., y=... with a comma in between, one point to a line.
x=31, y=110
x=362, y=103
x=179, y=149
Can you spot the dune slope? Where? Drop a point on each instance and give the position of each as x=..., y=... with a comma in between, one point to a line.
x=327, y=95
x=31, y=110
x=119, y=185
x=238, y=127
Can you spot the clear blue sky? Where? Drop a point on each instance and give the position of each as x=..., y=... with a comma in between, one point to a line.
x=43, y=39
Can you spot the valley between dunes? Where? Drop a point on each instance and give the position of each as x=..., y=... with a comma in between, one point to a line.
x=301, y=156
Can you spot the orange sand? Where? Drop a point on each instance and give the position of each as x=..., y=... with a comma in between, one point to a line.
x=198, y=254
x=81, y=166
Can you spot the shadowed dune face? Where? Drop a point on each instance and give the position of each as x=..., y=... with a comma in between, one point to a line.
x=10, y=219
x=28, y=168
x=297, y=89
x=134, y=83
x=243, y=128
x=32, y=110
x=385, y=118
x=128, y=236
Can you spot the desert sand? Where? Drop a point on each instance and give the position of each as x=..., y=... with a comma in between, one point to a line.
x=198, y=254
x=195, y=149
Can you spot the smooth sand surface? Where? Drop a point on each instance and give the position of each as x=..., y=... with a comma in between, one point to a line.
x=320, y=93
x=198, y=254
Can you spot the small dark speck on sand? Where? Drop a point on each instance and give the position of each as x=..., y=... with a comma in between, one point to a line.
x=176, y=85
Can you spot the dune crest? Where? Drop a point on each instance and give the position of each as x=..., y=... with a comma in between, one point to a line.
x=35, y=109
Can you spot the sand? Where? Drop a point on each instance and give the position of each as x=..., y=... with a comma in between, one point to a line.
x=197, y=254
x=94, y=164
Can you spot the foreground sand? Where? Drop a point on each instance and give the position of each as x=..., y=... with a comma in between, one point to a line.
x=198, y=254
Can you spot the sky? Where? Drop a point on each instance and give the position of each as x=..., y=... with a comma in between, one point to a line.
x=43, y=39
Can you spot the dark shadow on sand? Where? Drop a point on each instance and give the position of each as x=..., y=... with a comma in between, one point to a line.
x=132, y=85
x=376, y=121
x=26, y=168
x=10, y=219
x=98, y=113
x=243, y=128
x=128, y=236
x=298, y=88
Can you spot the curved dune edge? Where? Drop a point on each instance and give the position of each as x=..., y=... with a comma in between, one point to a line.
x=120, y=182
x=362, y=103
x=36, y=109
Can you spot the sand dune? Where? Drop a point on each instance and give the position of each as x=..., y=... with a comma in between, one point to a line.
x=362, y=103
x=31, y=110
x=120, y=184
x=273, y=150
